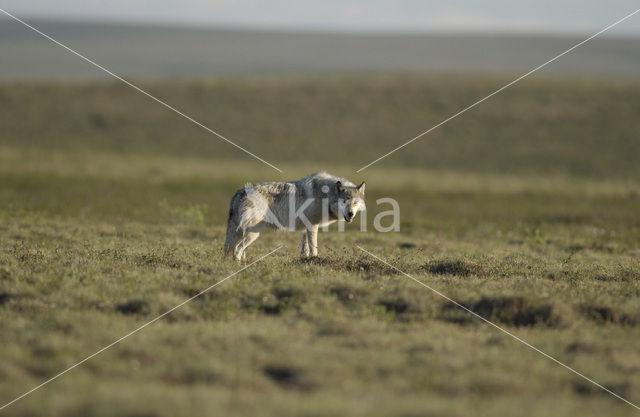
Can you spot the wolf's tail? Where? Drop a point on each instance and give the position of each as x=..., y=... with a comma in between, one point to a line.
x=234, y=221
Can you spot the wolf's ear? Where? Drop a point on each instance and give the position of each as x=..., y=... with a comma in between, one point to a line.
x=360, y=188
x=339, y=187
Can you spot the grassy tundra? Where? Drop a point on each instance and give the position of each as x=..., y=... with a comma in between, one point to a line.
x=524, y=209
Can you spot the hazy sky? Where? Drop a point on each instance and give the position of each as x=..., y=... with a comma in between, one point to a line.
x=557, y=16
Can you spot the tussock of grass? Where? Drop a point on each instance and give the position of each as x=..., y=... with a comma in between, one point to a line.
x=606, y=314
x=5, y=297
x=395, y=304
x=132, y=307
x=455, y=267
x=287, y=377
x=583, y=388
x=512, y=311
x=348, y=294
x=360, y=264
x=282, y=298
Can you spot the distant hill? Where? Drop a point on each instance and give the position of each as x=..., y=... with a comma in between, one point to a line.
x=154, y=51
x=583, y=127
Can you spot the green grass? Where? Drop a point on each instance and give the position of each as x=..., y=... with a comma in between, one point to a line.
x=583, y=127
x=104, y=228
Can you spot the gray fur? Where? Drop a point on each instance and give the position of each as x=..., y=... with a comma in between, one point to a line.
x=273, y=205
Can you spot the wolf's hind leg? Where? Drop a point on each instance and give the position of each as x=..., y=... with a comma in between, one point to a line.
x=239, y=252
x=304, y=245
x=248, y=240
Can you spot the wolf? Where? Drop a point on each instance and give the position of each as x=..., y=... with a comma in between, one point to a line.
x=306, y=204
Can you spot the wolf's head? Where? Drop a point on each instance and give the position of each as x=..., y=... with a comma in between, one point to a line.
x=350, y=201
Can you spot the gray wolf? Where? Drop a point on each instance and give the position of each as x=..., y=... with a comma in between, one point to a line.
x=306, y=204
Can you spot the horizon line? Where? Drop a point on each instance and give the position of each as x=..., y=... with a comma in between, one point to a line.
x=323, y=30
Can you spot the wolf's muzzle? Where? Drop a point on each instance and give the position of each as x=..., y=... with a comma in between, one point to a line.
x=349, y=217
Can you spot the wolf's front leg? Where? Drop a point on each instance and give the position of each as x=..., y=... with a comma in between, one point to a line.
x=312, y=238
x=304, y=245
